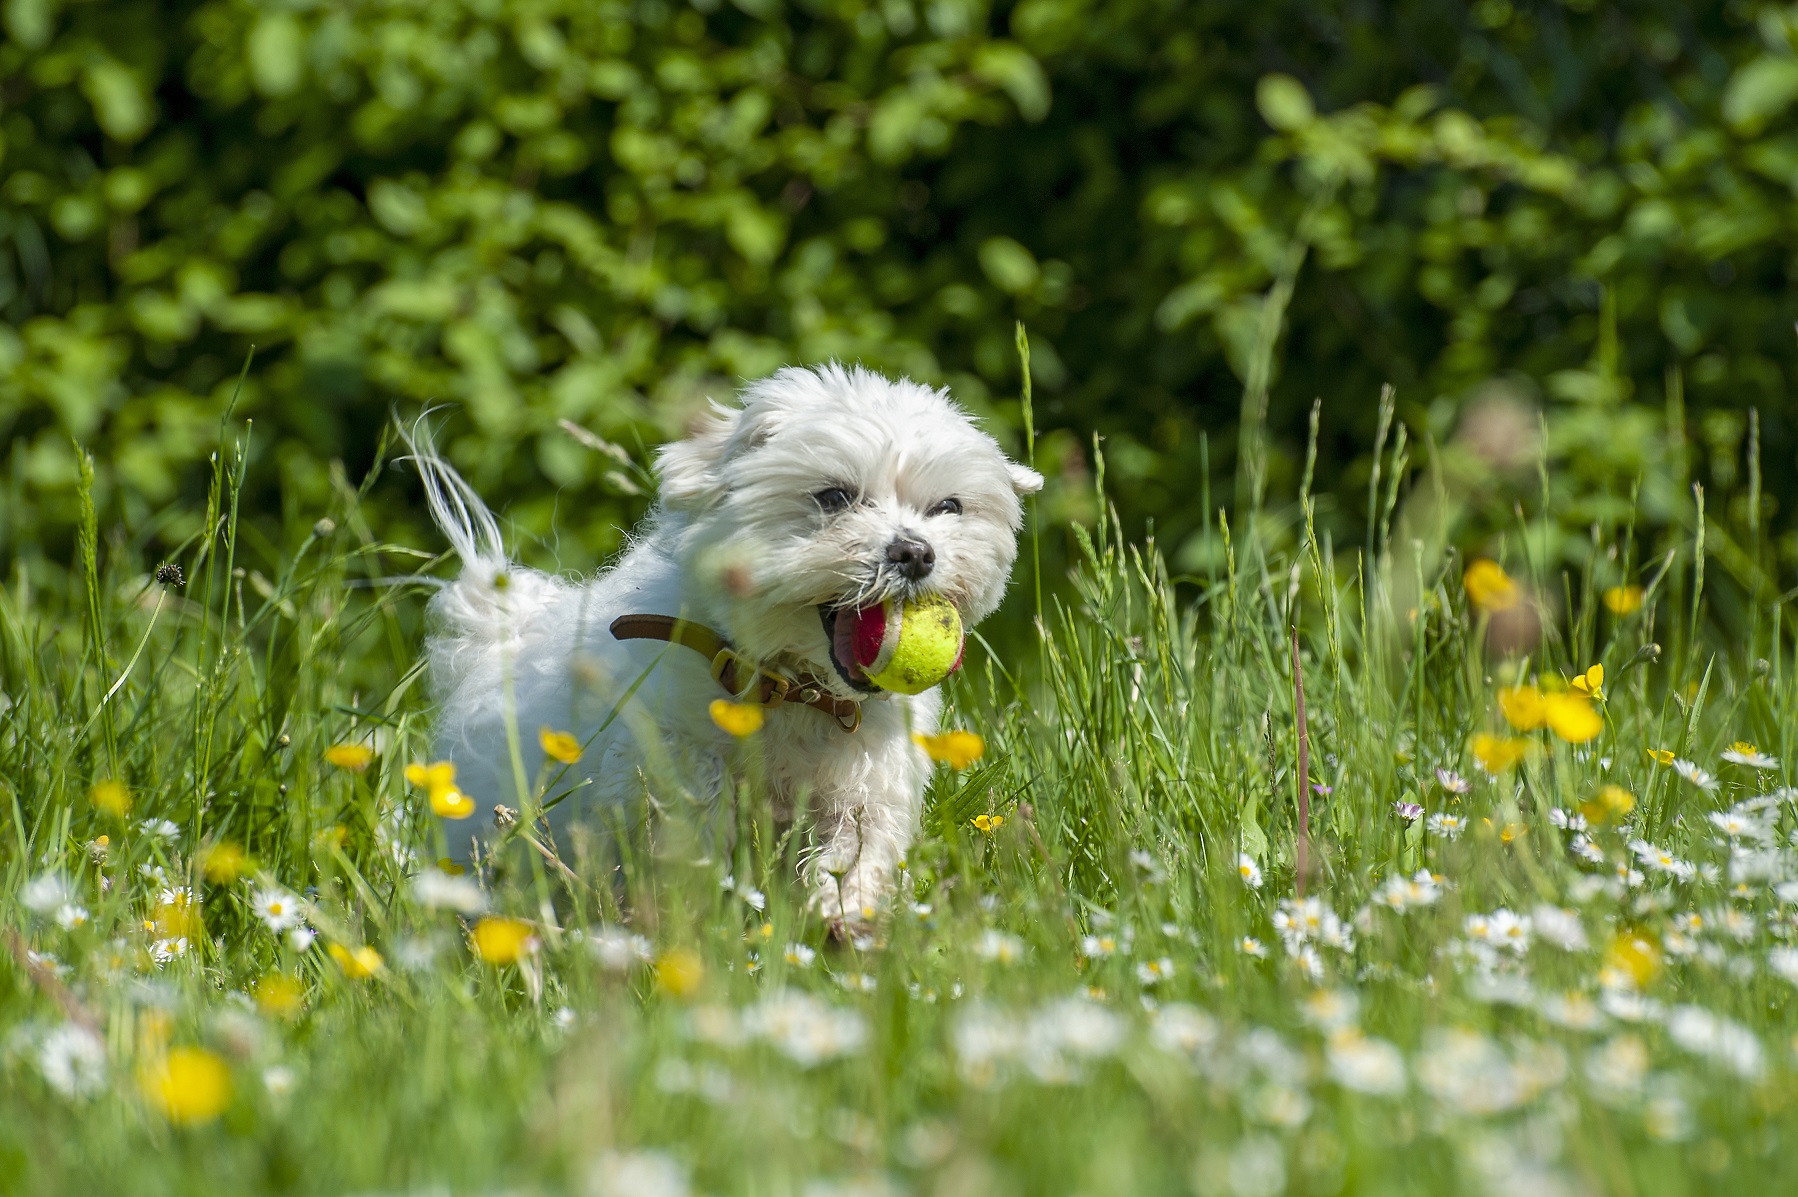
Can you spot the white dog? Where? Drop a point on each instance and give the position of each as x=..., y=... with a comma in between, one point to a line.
x=828, y=490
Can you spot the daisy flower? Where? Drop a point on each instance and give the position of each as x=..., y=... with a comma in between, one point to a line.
x=1451, y=781
x=1737, y=824
x=1410, y=812
x=1248, y=870
x=1695, y=775
x=1248, y=945
x=1095, y=947
x=46, y=892
x=165, y=950
x=1151, y=972
x=1745, y=754
x=278, y=909
x=1447, y=826
x=1661, y=860
x=73, y=1061
x=1566, y=821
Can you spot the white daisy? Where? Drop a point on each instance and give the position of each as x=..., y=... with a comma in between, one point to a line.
x=1248, y=870
x=1746, y=754
x=46, y=892
x=442, y=891
x=1153, y=972
x=277, y=908
x=165, y=950
x=1447, y=826
x=1695, y=775
x=999, y=946
x=73, y=1061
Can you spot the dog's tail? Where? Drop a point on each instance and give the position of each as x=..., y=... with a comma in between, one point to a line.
x=455, y=507
x=492, y=604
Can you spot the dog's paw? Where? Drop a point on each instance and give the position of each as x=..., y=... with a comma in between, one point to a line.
x=851, y=905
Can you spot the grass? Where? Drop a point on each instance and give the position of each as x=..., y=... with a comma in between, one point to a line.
x=1063, y=1002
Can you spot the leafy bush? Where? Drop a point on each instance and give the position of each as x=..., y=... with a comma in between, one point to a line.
x=600, y=211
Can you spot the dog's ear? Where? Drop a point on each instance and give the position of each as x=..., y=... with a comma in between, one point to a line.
x=1024, y=480
x=689, y=468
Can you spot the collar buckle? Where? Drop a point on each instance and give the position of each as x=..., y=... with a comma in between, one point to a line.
x=766, y=690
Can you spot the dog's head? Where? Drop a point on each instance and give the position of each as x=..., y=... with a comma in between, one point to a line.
x=832, y=489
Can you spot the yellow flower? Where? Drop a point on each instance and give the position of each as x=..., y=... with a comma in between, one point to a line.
x=1511, y=831
x=501, y=940
x=1623, y=600
x=1489, y=587
x=988, y=823
x=111, y=797
x=738, y=718
x=1633, y=956
x=1498, y=753
x=190, y=1085
x=1609, y=805
x=559, y=745
x=223, y=863
x=1572, y=717
x=1662, y=756
x=451, y=804
x=354, y=757
x=279, y=995
x=1522, y=707
x=956, y=749
x=439, y=780
x=358, y=964
x=1590, y=683
x=679, y=972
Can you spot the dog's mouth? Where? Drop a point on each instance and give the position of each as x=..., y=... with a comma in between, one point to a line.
x=855, y=635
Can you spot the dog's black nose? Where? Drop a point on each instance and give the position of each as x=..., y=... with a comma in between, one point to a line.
x=913, y=558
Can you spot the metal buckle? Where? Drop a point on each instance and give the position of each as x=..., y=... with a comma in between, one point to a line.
x=726, y=658
x=853, y=722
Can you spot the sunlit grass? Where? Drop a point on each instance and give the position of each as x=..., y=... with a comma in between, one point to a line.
x=1542, y=939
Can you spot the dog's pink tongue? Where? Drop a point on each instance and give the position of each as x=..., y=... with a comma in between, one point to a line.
x=869, y=630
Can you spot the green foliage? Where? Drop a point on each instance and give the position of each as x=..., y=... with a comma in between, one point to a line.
x=601, y=211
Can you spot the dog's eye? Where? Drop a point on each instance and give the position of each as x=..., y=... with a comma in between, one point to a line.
x=945, y=507
x=832, y=499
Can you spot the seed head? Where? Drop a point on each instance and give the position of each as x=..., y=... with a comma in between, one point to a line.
x=169, y=574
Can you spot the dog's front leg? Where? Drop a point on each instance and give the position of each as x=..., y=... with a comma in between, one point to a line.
x=863, y=835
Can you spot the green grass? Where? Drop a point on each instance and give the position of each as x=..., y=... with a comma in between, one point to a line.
x=1061, y=1004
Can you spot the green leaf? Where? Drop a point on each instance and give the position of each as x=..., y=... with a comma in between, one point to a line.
x=276, y=53
x=1013, y=69
x=1010, y=266
x=118, y=99
x=1759, y=91
x=1284, y=103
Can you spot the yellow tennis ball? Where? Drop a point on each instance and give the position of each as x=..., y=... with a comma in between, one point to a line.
x=925, y=640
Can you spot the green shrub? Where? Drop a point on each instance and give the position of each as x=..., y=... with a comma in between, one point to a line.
x=601, y=211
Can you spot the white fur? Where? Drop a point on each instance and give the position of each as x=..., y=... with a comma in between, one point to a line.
x=738, y=543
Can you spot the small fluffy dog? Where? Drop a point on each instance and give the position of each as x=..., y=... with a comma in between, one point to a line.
x=827, y=490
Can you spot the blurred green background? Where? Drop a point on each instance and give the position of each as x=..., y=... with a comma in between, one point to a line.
x=1531, y=218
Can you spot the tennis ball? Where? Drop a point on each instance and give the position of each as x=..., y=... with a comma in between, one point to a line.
x=920, y=644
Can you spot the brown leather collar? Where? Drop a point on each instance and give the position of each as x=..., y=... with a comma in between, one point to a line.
x=764, y=689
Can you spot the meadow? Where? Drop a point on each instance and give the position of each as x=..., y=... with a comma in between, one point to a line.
x=1509, y=909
